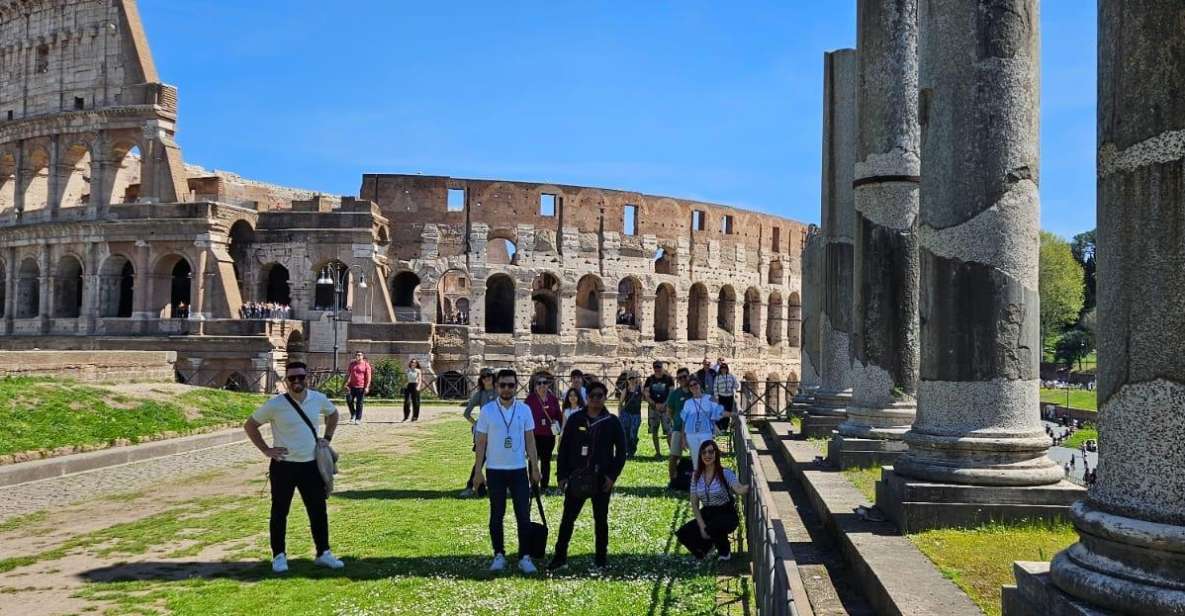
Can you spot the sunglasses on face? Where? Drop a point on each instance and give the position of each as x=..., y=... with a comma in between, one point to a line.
x=543, y=384
x=507, y=385
x=295, y=377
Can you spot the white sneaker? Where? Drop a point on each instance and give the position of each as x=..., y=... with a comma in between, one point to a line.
x=499, y=563
x=327, y=559
x=280, y=563
x=526, y=566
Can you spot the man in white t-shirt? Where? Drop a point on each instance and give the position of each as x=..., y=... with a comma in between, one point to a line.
x=506, y=450
x=293, y=461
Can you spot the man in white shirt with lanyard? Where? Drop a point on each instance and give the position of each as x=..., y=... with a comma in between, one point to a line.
x=293, y=461
x=700, y=415
x=506, y=450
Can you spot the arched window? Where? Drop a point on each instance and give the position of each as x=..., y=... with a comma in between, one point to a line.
x=588, y=302
x=545, y=296
x=629, y=302
x=67, y=297
x=773, y=331
x=77, y=189
x=752, y=312
x=499, y=315
x=664, y=313
x=37, y=180
x=403, y=296
x=242, y=237
x=126, y=186
x=794, y=321
x=501, y=251
x=180, y=295
x=697, y=312
x=7, y=181
x=663, y=262
x=117, y=281
x=452, y=291
x=276, y=287
x=28, y=289
x=726, y=310
x=333, y=287
x=295, y=344
x=775, y=273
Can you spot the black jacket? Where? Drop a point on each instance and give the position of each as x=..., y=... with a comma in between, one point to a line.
x=606, y=445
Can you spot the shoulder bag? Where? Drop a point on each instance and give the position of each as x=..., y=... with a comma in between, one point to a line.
x=325, y=456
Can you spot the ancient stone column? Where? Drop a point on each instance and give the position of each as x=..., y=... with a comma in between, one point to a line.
x=811, y=308
x=840, y=71
x=978, y=420
x=1130, y=556
x=885, y=268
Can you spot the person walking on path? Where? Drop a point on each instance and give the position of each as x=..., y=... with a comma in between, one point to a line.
x=506, y=451
x=712, y=503
x=545, y=410
x=295, y=418
x=700, y=418
x=724, y=393
x=630, y=413
x=655, y=390
x=591, y=458
x=358, y=376
x=675, y=401
x=486, y=393
x=411, y=391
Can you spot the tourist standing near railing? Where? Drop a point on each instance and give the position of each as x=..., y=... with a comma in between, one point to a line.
x=655, y=390
x=630, y=412
x=699, y=417
x=725, y=393
x=545, y=409
x=411, y=391
x=712, y=503
x=358, y=376
x=485, y=393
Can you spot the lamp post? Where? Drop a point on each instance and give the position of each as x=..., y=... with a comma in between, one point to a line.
x=333, y=274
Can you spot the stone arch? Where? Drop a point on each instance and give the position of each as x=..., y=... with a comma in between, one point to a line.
x=665, y=305
x=499, y=306
x=76, y=191
x=545, y=298
x=776, y=272
x=331, y=287
x=452, y=288
x=28, y=289
x=751, y=314
x=629, y=301
x=501, y=247
x=240, y=244
x=36, y=178
x=7, y=181
x=173, y=286
x=295, y=344
x=68, y=284
x=382, y=237
x=726, y=311
x=697, y=312
x=775, y=319
x=589, y=291
x=794, y=320
x=125, y=185
x=276, y=284
x=117, y=283
x=403, y=296
x=664, y=261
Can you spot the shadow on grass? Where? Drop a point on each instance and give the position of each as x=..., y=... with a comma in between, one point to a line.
x=389, y=494
x=665, y=568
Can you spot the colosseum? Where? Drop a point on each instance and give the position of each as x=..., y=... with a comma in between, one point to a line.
x=109, y=240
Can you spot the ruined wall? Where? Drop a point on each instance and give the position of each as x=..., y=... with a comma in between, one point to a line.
x=91, y=366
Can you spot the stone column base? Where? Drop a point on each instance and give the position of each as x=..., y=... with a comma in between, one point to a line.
x=1036, y=595
x=848, y=452
x=820, y=426
x=915, y=505
x=834, y=403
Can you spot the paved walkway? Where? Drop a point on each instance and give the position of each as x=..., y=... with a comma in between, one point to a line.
x=1063, y=455
x=102, y=483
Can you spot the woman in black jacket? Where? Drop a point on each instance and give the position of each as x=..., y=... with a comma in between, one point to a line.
x=591, y=457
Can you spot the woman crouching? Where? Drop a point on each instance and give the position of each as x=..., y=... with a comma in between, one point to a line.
x=712, y=502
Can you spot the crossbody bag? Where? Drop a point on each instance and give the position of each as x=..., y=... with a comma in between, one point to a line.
x=324, y=455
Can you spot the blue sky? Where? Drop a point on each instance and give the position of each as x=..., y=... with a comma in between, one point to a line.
x=704, y=100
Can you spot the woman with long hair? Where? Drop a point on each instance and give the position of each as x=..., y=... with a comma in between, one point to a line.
x=485, y=393
x=545, y=408
x=712, y=490
x=572, y=402
x=411, y=391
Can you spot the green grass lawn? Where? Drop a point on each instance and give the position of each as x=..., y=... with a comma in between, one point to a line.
x=1078, y=398
x=1081, y=436
x=40, y=413
x=979, y=560
x=410, y=545
x=865, y=480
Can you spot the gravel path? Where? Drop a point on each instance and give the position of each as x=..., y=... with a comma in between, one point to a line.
x=61, y=491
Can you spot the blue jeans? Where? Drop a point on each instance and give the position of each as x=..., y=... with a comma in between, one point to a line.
x=631, y=422
x=519, y=485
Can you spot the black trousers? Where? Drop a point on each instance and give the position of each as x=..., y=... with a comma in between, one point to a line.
x=572, y=506
x=286, y=477
x=411, y=402
x=519, y=485
x=354, y=399
x=545, y=445
x=719, y=521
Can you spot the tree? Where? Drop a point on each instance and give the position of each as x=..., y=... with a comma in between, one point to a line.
x=1060, y=286
x=1083, y=247
x=1073, y=346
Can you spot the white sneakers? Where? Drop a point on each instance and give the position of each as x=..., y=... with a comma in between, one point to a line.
x=327, y=559
x=526, y=566
x=499, y=563
x=280, y=563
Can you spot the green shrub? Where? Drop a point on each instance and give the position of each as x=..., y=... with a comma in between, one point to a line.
x=388, y=379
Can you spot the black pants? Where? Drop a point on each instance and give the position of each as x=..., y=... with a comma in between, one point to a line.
x=719, y=521
x=572, y=506
x=519, y=485
x=544, y=445
x=354, y=398
x=304, y=476
x=411, y=402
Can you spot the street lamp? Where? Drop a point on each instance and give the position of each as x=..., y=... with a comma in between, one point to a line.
x=332, y=274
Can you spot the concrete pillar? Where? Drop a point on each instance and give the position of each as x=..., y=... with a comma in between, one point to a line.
x=92, y=284
x=1130, y=556
x=10, y=288
x=645, y=316
x=811, y=307
x=57, y=176
x=977, y=449
x=45, y=284
x=19, y=175
x=200, y=286
x=143, y=285
x=840, y=74
x=884, y=339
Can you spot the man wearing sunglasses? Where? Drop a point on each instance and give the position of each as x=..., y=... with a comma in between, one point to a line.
x=675, y=401
x=506, y=451
x=293, y=461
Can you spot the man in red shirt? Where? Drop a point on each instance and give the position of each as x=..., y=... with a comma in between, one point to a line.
x=357, y=385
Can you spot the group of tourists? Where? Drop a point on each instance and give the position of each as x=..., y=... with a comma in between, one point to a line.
x=457, y=318
x=359, y=375
x=514, y=443
x=264, y=310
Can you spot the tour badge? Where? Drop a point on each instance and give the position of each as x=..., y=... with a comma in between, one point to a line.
x=584, y=451
x=508, y=443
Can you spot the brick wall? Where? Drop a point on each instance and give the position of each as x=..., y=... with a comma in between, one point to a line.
x=91, y=366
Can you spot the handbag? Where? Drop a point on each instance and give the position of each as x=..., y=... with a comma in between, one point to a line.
x=535, y=544
x=324, y=455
